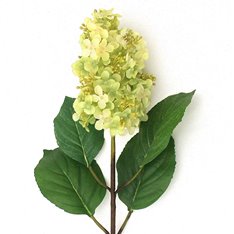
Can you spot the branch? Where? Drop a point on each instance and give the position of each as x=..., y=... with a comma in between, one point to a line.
x=99, y=225
x=125, y=221
x=97, y=178
x=129, y=181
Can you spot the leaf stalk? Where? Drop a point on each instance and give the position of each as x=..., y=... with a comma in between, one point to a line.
x=125, y=221
x=97, y=178
x=99, y=225
x=129, y=181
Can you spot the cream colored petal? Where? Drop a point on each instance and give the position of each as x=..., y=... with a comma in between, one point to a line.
x=98, y=90
x=96, y=42
x=145, y=56
x=86, y=52
x=98, y=113
x=129, y=73
x=93, y=54
x=105, y=56
x=105, y=33
x=117, y=77
x=88, y=99
x=86, y=43
x=75, y=117
x=106, y=113
x=110, y=48
x=105, y=98
x=96, y=98
x=78, y=106
x=99, y=125
x=91, y=26
x=104, y=43
x=102, y=104
x=90, y=110
x=105, y=75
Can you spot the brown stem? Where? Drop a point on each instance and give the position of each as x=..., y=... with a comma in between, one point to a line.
x=125, y=221
x=112, y=187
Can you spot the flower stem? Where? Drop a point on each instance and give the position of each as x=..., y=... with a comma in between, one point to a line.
x=99, y=225
x=112, y=187
x=125, y=221
x=97, y=178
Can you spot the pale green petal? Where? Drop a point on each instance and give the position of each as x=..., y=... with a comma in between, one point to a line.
x=110, y=105
x=144, y=118
x=129, y=73
x=95, y=98
x=92, y=120
x=106, y=62
x=115, y=44
x=98, y=113
x=75, y=117
x=105, y=98
x=96, y=42
x=145, y=101
x=91, y=66
x=117, y=77
x=105, y=56
x=98, y=90
x=116, y=121
x=103, y=43
x=99, y=125
x=88, y=99
x=145, y=56
x=89, y=110
x=110, y=48
x=102, y=104
x=132, y=63
x=105, y=33
x=86, y=52
x=106, y=113
x=87, y=43
x=116, y=86
x=91, y=26
x=105, y=75
x=78, y=106
x=93, y=54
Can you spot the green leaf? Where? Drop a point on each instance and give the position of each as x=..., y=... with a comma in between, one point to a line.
x=153, y=136
x=73, y=139
x=152, y=182
x=69, y=184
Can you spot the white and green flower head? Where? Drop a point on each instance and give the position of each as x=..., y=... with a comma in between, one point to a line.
x=115, y=90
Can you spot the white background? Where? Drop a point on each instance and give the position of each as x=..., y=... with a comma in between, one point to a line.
x=191, y=47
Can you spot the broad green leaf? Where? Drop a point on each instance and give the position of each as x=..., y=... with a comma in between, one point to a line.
x=69, y=184
x=153, y=136
x=152, y=182
x=73, y=139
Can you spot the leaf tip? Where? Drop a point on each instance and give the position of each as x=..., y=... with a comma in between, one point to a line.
x=193, y=92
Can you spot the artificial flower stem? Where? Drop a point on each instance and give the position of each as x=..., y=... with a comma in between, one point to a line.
x=112, y=187
x=97, y=178
x=125, y=221
x=99, y=225
x=129, y=181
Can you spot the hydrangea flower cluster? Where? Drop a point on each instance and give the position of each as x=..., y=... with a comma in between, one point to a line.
x=114, y=90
